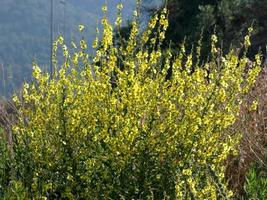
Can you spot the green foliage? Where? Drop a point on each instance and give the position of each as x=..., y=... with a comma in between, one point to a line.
x=256, y=183
x=15, y=190
x=111, y=126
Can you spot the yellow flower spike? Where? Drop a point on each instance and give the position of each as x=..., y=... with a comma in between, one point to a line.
x=83, y=45
x=60, y=40
x=81, y=28
x=135, y=13
x=120, y=6
x=247, y=41
x=36, y=72
x=118, y=21
x=104, y=8
x=254, y=106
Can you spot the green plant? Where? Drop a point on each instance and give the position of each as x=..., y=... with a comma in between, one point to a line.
x=256, y=183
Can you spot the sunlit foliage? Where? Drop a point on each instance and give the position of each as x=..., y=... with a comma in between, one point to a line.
x=112, y=126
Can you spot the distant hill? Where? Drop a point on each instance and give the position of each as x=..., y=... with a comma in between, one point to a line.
x=25, y=32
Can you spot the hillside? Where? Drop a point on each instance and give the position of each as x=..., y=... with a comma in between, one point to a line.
x=25, y=32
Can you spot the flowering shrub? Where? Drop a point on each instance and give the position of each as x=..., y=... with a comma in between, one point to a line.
x=112, y=126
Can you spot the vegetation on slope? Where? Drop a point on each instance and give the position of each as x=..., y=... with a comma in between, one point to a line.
x=113, y=126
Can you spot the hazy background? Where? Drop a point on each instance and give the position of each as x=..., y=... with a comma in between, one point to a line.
x=25, y=27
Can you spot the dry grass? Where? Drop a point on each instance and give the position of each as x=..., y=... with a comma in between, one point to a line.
x=8, y=116
x=253, y=146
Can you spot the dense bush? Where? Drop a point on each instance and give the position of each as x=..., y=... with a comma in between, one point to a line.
x=112, y=126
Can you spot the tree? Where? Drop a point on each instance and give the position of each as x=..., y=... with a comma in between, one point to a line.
x=230, y=19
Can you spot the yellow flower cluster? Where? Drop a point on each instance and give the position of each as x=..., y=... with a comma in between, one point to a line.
x=116, y=126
